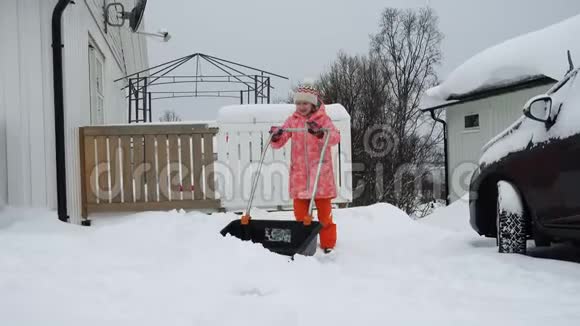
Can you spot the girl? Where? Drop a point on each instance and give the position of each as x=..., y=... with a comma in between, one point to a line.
x=310, y=113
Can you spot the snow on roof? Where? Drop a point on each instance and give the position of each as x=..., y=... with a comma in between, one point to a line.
x=429, y=103
x=540, y=53
x=256, y=113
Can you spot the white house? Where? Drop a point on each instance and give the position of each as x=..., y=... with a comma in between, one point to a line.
x=92, y=58
x=486, y=94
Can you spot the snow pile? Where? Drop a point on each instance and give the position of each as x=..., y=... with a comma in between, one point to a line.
x=257, y=113
x=173, y=268
x=538, y=53
x=454, y=217
x=426, y=209
x=525, y=131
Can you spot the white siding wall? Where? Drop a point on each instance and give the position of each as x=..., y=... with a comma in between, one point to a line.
x=23, y=58
x=26, y=93
x=495, y=114
x=3, y=161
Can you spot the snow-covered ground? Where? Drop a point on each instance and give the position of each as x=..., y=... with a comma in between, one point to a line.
x=175, y=269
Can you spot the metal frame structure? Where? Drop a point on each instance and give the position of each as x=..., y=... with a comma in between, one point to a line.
x=248, y=84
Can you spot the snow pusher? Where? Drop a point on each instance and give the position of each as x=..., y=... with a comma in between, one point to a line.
x=283, y=237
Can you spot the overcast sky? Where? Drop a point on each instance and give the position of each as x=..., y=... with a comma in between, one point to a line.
x=300, y=38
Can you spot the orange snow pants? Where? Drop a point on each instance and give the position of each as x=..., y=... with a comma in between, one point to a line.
x=324, y=207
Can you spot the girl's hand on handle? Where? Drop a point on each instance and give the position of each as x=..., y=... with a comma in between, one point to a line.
x=276, y=133
x=315, y=129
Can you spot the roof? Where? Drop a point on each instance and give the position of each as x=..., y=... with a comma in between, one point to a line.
x=537, y=56
x=493, y=90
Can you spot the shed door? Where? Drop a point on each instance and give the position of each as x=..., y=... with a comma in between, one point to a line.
x=96, y=78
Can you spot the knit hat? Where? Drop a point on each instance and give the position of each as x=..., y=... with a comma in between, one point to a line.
x=307, y=94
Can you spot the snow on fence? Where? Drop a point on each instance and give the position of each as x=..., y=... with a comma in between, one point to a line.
x=147, y=167
x=243, y=133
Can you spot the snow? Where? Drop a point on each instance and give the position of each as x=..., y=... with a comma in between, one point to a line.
x=428, y=102
x=535, y=54
x=525, y=131
x=508, y=199
x=258, y=113
x=454, y=217
x=173, y=268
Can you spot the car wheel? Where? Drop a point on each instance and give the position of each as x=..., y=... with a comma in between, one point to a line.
x=511, y=221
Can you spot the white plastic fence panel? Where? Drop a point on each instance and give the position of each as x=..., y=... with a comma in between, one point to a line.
x=243, y=132
x=343, y=163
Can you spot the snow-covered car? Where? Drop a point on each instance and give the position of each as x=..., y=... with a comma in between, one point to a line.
x=528, y=181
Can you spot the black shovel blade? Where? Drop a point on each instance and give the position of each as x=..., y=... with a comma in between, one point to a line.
x=283, y=237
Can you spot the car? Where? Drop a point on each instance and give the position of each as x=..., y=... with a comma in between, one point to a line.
x=527, y=184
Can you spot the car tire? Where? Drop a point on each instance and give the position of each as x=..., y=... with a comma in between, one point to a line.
x=511, y=221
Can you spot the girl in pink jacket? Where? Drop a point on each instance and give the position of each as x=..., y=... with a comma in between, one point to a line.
x=306, y=147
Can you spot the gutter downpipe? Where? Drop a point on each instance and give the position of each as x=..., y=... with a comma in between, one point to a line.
x=59, y=108
x=444, y=123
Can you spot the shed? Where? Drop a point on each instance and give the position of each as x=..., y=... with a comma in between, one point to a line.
x=486, y=94
x=243, y=131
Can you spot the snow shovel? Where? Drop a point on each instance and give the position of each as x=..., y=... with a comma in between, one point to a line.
x=282, y=237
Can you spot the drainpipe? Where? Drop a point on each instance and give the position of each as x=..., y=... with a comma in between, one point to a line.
x=432, y=111
x=59, y=108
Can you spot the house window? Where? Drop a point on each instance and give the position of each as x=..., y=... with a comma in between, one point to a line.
x=472, y=121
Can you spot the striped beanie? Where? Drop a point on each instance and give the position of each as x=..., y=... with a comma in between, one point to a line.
x=307, y=94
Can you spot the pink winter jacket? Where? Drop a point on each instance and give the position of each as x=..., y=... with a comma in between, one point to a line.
x=306, y=155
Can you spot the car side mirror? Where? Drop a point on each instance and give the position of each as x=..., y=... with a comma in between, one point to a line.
x=539, y=108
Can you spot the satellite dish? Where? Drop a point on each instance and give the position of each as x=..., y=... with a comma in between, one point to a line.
x=136, y=15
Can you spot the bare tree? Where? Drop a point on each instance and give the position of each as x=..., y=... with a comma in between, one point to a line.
x=357, y=83
x=169, y=116
x=408, y=48
x=344, y=83
x=392, y=138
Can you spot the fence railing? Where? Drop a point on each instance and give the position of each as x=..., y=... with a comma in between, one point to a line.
x=147, y=167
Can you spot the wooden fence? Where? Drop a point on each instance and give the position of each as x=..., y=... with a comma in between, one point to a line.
x=147, y=167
